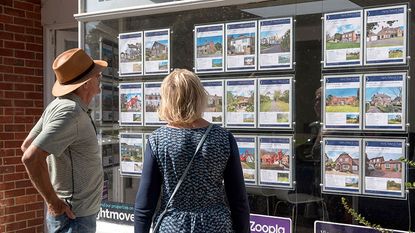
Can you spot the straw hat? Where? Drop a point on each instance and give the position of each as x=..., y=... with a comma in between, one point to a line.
x=73, y=68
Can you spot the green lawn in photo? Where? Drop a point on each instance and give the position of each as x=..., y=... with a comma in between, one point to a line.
x=352, y=56
x=394, y=121
x=283, y=179
x=342, y=45
x=282, y=106
x=342, y=108
x=282, y=118
x=396, y=54
x=352, y=121
x=246, y=165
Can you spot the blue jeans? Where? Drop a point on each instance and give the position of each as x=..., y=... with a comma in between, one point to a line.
x=63, y=224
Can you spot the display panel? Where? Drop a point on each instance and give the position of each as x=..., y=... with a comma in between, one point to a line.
x=341, y=165
x=130, y=54
x=152, y=101
x=241, y=46
x=343, y=40
x=342, y=102
x=131, y=103
x=209, y=48
x=109, y=103
x=131, y=153
x=275, y=102
x=275, y=44
x=275, y=161
x=385, y=101
x=107, y=53
x=248, y=157
x=384, y=172
x=386, y=35
x=240, y=103
x=214, y=112
x=157, y=52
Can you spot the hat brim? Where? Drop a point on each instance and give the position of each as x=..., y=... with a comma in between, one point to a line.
x=60, y=89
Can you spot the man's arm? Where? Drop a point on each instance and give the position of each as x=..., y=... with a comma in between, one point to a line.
x=34, y=159
x=27, y=142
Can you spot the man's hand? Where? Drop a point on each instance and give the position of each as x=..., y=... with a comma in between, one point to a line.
x=60, y=207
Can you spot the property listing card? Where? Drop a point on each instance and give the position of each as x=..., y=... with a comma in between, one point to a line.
x=386, y=35
x=241, y=46
x=275, y=161
x=385, y=101
x=131, y=153
x=384, y=173
x=109, y=103
x=157, y=52
x=107, y=51
x=341, y=165
x=247, y=155
x=209, y=48
x=131, y=103
x=275, y=44
x=240, y=103
x=152, y=101
x=130, y=53
x=215, y=109
x=275, y=102
x=343, y=40
x=341, y=102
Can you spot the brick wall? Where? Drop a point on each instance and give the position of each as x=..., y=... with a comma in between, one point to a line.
x=21, y=104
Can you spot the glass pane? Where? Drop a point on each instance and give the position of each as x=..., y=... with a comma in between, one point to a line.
x=305, y=202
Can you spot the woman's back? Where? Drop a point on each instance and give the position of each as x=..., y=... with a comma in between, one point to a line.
x=200, y=198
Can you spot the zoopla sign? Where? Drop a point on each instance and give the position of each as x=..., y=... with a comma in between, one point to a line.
x=269, y=224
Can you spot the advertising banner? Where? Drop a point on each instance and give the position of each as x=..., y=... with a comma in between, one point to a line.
x=331, y=227
x=269, y=224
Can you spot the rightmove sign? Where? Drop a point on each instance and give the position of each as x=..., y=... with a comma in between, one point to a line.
x=331, y=227
x=269, y=224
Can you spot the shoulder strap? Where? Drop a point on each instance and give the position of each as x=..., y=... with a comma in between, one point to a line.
x=188, y=165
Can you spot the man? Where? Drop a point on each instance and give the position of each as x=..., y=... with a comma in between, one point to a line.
x=61, y=151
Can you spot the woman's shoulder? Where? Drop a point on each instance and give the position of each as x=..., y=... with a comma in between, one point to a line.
x=221, y=132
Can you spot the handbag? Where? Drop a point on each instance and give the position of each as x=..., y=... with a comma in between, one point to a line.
x=157, y=225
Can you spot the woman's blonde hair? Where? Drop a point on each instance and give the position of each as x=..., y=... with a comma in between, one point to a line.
x=183, y=97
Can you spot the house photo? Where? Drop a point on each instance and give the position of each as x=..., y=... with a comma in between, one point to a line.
x=241, y=44
x=385, y=33
x=384, y=100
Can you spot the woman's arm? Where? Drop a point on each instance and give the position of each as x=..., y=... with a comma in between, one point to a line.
x=148, y=193
x=235, y=190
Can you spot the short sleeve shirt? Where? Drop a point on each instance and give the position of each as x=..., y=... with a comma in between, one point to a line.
x=67, y=133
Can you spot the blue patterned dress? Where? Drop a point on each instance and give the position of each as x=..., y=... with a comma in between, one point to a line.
x=199, y=205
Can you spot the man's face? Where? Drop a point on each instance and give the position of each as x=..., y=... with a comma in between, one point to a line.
x=94, y=86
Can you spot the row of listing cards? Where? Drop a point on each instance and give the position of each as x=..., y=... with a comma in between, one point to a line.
x=364, y=166
x=236, y=103
x=368, y=102
x=374, y=36
x=265, y=160
x=368, y=166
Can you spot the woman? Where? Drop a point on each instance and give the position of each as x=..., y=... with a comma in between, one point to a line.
x=199, y=204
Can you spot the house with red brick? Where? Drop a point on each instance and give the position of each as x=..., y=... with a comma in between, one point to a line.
x=345, y=163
